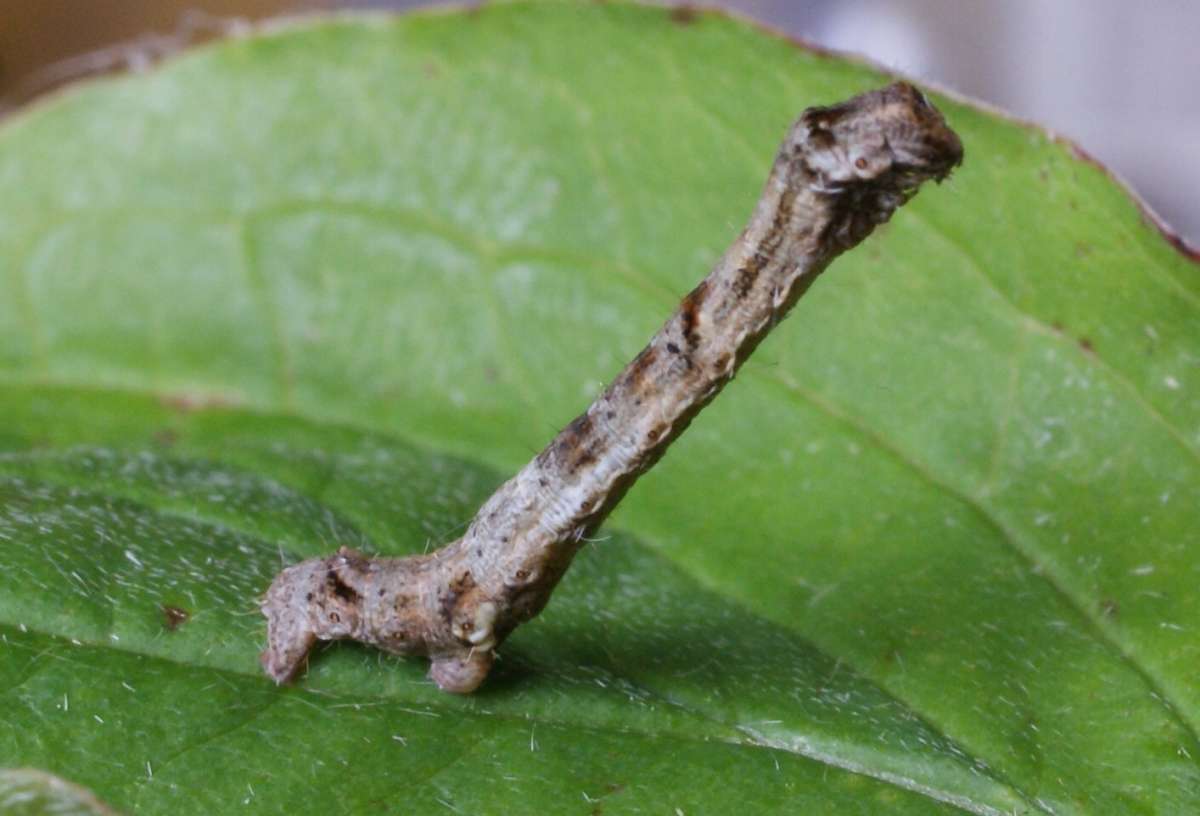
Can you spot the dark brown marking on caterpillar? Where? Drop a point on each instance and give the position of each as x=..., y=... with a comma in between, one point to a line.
x=341, y=589
x=688, y=311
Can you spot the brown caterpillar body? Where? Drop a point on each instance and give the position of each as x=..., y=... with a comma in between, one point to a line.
x=841, y=171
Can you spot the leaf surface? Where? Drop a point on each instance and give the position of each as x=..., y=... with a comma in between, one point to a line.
x=330, y=283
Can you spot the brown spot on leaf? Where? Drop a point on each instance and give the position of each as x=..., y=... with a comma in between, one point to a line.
x=174, y=617
x=1086, y=344
x=1109, y=608
x=684, y=15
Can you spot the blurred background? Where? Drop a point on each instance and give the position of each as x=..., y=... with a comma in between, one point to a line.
x=1120, y=78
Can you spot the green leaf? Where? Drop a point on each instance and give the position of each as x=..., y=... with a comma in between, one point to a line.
x=330, y=283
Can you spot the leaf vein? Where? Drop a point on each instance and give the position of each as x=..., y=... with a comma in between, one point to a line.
x=1015, y=543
